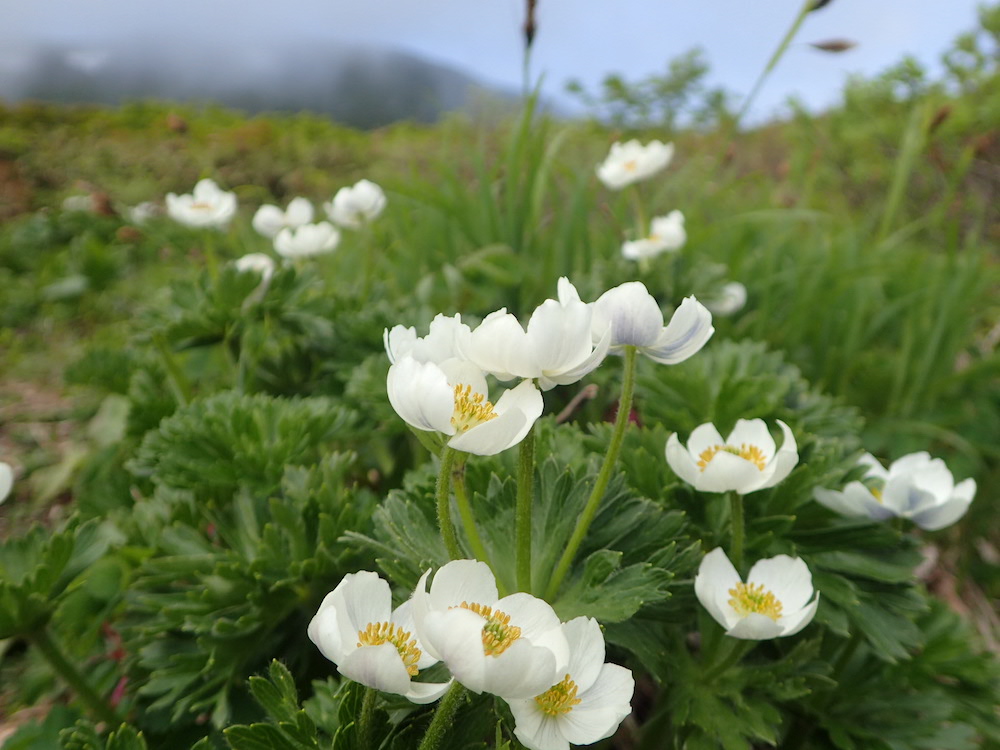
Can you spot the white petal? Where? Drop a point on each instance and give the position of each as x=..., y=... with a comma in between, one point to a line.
x=268, y=220
x=794, y=623
x=6, y=480
x=755, y=627
x=463, y=581
x=420, y=394
x=559, y=336
x=499, y=346
x=752, y=432
x=727, y=472
x=586, y=650
x=574, y=374
x=536, y=730
x=935, y=478
x=856, y=501
x=788, y=578
x=634, y=316
x=689, y=330
x=875, y=468
x=680, y=461
x=716, y=575
x=380, y=667
x=946, y=514
x=785, y=459
x=566, y=291
x=403, y=617
x=703, y=437
x=490, y=438
x=602, y=708
x=426, y=692
x=399, y=341
x=299, y=212
x=909, y=463
x=522, y=671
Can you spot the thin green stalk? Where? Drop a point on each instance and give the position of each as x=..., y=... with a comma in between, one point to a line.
x=443, y=717
x=444, y=505
x=779, y=52
x=42, y=639
x=522, y=516
x=175, y=375
x=736, y=523
x=610, y=458
x=367, y=720
x=465, y=512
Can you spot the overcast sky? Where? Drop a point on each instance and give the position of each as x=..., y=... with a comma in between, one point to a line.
x=583, y=39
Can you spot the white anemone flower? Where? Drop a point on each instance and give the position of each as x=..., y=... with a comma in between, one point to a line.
x=666, y=234
x=256, y=263
x=353, y=207
x=6, y=480
x=632, y=161
x=774, y=601
x=143, y=212
x=307, y=240
x=556, y=349
x=357, y=629
x=915, y=486
x=512, y=647
x=452, y=398
x=636, y=320
x=439, y=345
x=732, y=298
x=587, y=705
x=744, y=462
x=207, y=206
x=269, y=219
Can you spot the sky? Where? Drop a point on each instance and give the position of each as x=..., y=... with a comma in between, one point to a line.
x=582, y=39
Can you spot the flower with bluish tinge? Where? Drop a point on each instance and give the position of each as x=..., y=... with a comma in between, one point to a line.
x=744, y=462
x=732, y=298
x=357, y=629
x=636, y=320
x=556, y=349
x=207, y=206
x=666, y=234
x=307, y=240
x=586, y=705
x=269, y=220
x=512, y=647
x=632, y=161
x=438, y=346
x=774, y=601
x=451, y=398
x=6, y=480
x=256, y=263
x=915, y=486
x=353, y=207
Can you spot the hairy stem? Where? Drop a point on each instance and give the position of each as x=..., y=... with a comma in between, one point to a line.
x=522, y=517
x=367, y=720
x=465, y=512
x=443, y=717
x=736, y=523
x=444, y=505
x=597, y=494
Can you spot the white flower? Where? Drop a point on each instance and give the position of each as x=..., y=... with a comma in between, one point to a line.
x=207, y=206
x=915, y=486
x=666, y=233
x=307, y=240
x=439, y=345
x=731, y=299
x=631, y=162
x=744, y=462
x=143, y=212
x=6, y=480
x=774, y=602
x=636, y=320
x=452, y=398
x=587, y=705
x=357, y=630
x=269, y=220
x=353, y=207
x=556, y=349
x=512, y=647
x=256, y=263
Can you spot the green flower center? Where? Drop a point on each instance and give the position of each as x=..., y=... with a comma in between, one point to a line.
x=754, y=598
x=558, y=699
x=498, y=634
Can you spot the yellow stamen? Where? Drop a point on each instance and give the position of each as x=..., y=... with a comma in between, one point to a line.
x=754, y=598
x=558, y=699
x=498, y=633
x=876, y=493
x=377, y=633
x=631, y=165
x=751, y=453
x=471, y=409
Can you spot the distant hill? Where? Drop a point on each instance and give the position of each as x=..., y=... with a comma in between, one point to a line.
x=358, y=86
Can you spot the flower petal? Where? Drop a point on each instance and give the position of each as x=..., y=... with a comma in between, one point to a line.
x=788, y=578
x=755, y=627
x=689, y=330
x=947, y=513
x=421, y=396
x=534, y=729
x=602, y=708
x=426, y=692
x=680, y=461
x=727, y=472
x=634, y=316
x=586, y=651
x=716, y=575
x=794, y=623
x=752, y=432
x=784, y=460
x=379, y=667
x=703, y=437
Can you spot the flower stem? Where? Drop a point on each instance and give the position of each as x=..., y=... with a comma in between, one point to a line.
x=42, y=639
x=522, y=517
x=737, y=523
x=590, y=509
x=465, y=511
x=443, y=717
x=444, y=505
x=367, y=720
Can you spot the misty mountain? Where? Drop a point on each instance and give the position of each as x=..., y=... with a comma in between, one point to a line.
x=358, y=86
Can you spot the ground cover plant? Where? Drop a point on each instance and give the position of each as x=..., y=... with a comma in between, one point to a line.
x=521, y=435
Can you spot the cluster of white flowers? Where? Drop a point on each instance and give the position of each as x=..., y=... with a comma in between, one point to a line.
x=552, y=674
x=437, y=383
